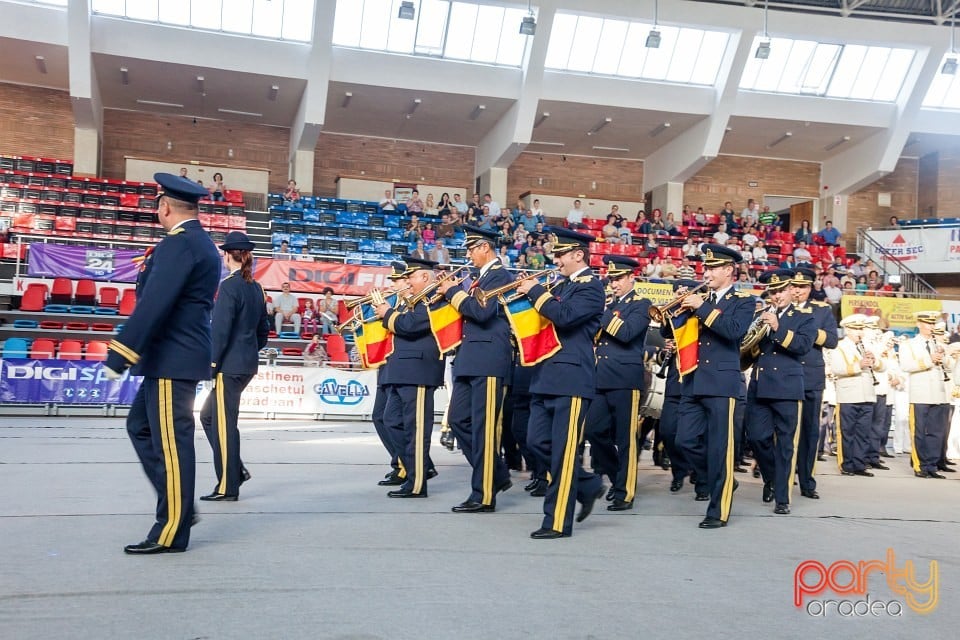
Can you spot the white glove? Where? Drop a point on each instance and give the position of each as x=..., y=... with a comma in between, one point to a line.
x=110, y=374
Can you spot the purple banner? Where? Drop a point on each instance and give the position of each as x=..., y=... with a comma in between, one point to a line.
x=95, y=263
x=63, y=382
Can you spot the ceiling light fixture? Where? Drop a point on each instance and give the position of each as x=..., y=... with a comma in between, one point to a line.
x=155, y=103
x=124, y=76
x=273, y=93
x=600, y=125
x=347, y=97
x=41, y=64
x=252, y=114
x=785, y=136
x=834, y=145
x=528, y=26
x=407, y=11
x=653, y=38
x=949, y=67
x=763, y=48
x=479, y=109
x=548, y=144
x=413, y=107
x=659, y=129
x=620, y=149
x=543, y=118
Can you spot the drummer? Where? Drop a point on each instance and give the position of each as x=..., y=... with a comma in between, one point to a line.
x=620, y=369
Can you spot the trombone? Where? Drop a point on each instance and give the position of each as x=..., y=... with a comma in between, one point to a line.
x=672, y=308
x=375, y=297
x=549, y=279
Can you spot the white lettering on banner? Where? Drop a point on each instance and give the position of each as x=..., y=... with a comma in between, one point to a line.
x=40, y=372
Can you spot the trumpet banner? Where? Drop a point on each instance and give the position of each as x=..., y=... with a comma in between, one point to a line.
x=536, y=336
x=686, y=333
x=446, y=323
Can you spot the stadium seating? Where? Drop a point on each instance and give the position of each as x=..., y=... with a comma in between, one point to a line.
x=86, y=294
x=61, y=291
x=127, y=302
x=34, y=297
x=96, y=350
x=109, y=298
x=42, y=349
x=70, y=350
x=15, y=348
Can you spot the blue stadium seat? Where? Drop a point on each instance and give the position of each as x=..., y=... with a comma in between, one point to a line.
x=289, y=335
x=25, y=324
x=81, y=308
x=15, y=348
x=57, y=308
x=105, y=311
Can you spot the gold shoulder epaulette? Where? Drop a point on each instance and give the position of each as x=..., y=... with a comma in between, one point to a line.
x=742, y=294
x=805, y=310
x=496, y=266
x=819, y=303
x=176, y=231
x=587, y=278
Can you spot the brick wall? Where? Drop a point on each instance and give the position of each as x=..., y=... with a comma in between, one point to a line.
x=902, y=184
x=145, y=135
x=35, y=122
x=948, y=184
x=572, y=176
x=387, y=160
x=728, y=177
x=927, y=180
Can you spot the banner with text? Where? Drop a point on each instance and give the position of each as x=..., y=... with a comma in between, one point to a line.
x=63, y=382
x=95, y=263
x=895, y=314
x=923, y=249
x=314, y=277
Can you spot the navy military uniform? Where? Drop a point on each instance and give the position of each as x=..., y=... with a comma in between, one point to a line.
x=167, y=341
x=776, y=392
x=814, y=382
x=413, y=374
x=562, y=388
x=705, y=431
x=620, y=376
x=239, y=331
x=482, y=366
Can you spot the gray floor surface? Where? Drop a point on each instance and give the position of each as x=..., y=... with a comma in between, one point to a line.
x=314, y=549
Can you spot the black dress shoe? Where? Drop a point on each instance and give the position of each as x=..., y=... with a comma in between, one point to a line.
x=693, y=477
x=219, y=497
x=503, y=486
x=530, y=486
x=768, y=492
x=406, y=493
x=712, y=523
x=469, y=506
x=701, y=497
x=147, y=548
x=244, y=474
x=739, y=469
x=821, y=458
x=879, y=465
x=934, y=474
x=392, y=479
x=782, y=509
x=447, y=439
x=610, y=493
x=884, y=454
x=863, y=472
x=546, y=534
x=431, y=473
x=676, y=485
x=946, y=469
x=756, y=472
x=587, y=507
x=950, y=463
x=619, y=505
x=540, y=490
x=844, y=472
x=812, y=494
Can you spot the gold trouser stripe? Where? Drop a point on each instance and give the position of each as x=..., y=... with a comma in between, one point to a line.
x=914, y=457
x=171, y=461
x=796, y=442
x=567, y=469
x=489, y=427
x=839, y=436
x=418, y=443
x=726, y=493
x=402, y=472
x=222, y=432
x=632, y=445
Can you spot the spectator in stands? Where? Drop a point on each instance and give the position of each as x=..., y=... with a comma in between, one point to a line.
x=521, y=261
x=445, y=230
x=642, y=223
x=537, y=210
x=315, y=353
x=283, y=253
x=610, y=231
x=518, y=210
x=505, y=227
x=817, y=293
x=862, y=285
x=700, y=217
x=414, y=203
x=520, y=238
x=767, y=218
x=669, y=269
x=492, y=204
x=829, y=234
x=292, y=194
x=744, y=277
x=535, y=258
x=803, y=234
x=670, y=225
x=749, y=238
x=727, y=216
x=575, y=215
x=183, y=172
x=412, y=232
x=504, y=256
x=388, y=203
x=788, y=262
x=745, y=251
x=419, y=251
x=894, y=221
x=429, y=234
x=440, y=253
x=309, y=318
x=654, y=269
x=652, y=247
x=304, y=254
x=760, y=253
x=430, y=207
x=750, y=214
x=286, y=308
x=445, y=205
x=802, y=254
x=218, y=189
x=721, y=236
x=686, y=270
x=656, y=221
x=690, y=249
x=475, y=215
x=327, y=311
x=833, y=292
x=459, y=204
x=529, y=219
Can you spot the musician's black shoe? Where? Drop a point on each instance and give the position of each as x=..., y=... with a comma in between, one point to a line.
x=610, y=493
x=844, y=472
x=945, y=469
x=219, y=497
x=739, y=469
x=934, y=474
x=884, y=454
x=546, y=534
x=863, y=472
x=447, y=439
x=469, y=506
x=530, y=486
x=665, y=462
x=431, y=473
x=951, y=463
x=676, y=485
x=812, y=494
x=712, y=523
x=406, y=493
x=879, y=465
x=587, y=508
x=693, y=477
x=540, y=490
x=619, y=505
x=768, y=492
x=503, y=486
x=701, y=497
x=756, y=472
x=148, y=548
x=782, y=509
x=392, y=479
x=244, y=474
x=822, y=458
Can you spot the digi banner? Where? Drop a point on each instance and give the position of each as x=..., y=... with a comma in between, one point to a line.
x=314, y=277
x=63, y=382
x=94, y=263
x=896, y=314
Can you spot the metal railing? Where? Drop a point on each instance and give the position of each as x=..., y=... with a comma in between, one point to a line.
x=910, y=281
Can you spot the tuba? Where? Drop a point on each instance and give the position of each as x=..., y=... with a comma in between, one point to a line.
x=750, y=345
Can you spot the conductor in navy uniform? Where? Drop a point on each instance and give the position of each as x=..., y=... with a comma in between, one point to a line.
x=167, y=341
x=413, y=374
x=480, y=371
x=620, y=373
x=564, y=384
x=705, y=428
x=775, y=394
x=240, y=329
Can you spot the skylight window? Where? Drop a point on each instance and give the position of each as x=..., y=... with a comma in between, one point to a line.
x=805, y=67
x=440, y=28
x=605, y=46
x=277, y=19
x=944, y=91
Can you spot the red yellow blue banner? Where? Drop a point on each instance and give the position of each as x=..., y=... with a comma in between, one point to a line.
x=686, y=333
x=446, y=323
x=536, y=336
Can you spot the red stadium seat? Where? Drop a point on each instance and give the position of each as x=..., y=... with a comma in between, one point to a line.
x=42, y=349
x=109, y=297
x=51, y=324
x=291, y=351
x=70, y=350
x=343, y=314
x=96, y=350
x=62, y=291
x=76, y=326
x=86, y=292
x=102, y=326
x=128, y=301
x=34, y=298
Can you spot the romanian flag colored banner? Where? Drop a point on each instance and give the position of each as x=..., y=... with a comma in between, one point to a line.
x=446, y=323
x=536, y=336
x=686, y=333
x=374, y=341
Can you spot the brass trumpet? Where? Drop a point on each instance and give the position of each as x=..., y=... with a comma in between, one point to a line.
x=429, y=292
x=376, y=297
x=483, y=297
x=672, y=308
x=352, y=323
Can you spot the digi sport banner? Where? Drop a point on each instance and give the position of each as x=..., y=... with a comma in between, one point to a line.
x=63, y=382
x=314, y=277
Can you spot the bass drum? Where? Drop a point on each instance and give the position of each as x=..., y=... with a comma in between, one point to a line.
x=653, y=400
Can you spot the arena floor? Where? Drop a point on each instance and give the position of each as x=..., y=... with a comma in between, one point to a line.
x=314, y=549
